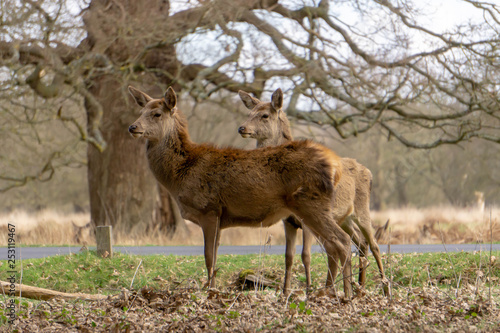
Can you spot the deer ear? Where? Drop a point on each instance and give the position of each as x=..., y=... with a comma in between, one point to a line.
x=249, y=101
x=140, y=98
x=170, y=99
x=277, y=100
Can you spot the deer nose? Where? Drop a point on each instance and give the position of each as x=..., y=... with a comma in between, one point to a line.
x=132, y=128
x=241, y=129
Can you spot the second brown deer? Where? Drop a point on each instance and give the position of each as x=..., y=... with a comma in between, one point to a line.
x=218, y=188
x=268, y=124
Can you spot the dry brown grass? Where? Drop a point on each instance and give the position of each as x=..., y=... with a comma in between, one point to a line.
x=193, y=235
x=435, y=225
x=408, y=226
x=49, y=227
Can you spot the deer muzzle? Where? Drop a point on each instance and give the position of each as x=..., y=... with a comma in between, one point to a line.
x=135, y=130
x=242, y=130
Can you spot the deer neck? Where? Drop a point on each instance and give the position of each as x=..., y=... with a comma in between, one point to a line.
x=271, y=142
x=166, y=156
x=284, y=136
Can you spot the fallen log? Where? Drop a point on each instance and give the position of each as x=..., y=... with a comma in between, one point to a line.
x=44, y=294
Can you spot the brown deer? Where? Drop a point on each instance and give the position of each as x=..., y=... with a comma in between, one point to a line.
x=268, y=124
x=218, y=188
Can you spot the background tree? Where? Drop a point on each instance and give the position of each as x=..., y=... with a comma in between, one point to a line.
x=350, y=66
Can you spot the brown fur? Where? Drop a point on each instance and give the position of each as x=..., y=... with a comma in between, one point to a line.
x=219, y=188
x=269, y=125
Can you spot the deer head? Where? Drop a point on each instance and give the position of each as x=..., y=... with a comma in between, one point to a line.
x=266, y=122
x=157, y=115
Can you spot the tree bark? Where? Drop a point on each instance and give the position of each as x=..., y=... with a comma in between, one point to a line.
x=123, y=192
x=46, y=294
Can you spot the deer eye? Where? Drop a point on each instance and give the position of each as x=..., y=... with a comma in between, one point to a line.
x=157, y=115
x=265, y=116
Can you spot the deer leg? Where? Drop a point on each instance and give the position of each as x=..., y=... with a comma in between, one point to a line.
x=363, y=262
x=307, y=241
x=339, y=248
x=364, y=223
x=333, y=260
x=348, y=226
x=336, y=242
x=290, y=237
x=211, y=235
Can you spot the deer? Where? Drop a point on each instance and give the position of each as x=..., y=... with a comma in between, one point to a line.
x=269, y=125
x=222, y=187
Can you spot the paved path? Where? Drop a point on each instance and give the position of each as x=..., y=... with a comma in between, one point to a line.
x=42, y=252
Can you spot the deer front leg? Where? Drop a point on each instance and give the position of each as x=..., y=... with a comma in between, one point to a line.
x=211, y=235
x=290, y=237
x=307, y=241
x=333, y=260
x=342, y=245
x=338, y=248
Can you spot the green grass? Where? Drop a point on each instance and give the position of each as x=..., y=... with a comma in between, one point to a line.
x=86, y=272
x=441, y=269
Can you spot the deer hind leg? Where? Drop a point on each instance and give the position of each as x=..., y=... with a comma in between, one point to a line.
x=363, y=262
x=364, y=223
x=211, y=234
x=290, y=224
x=336, y=242
x=356, y=237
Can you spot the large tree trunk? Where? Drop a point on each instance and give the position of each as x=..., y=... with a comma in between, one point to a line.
x=123, y=192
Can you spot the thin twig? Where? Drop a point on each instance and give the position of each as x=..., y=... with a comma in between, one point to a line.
x=458, y=285
x=131, y=304
x=411, y=281
x=491, y=262
x=478, y=277
x=446, y=250
x=131, y=283
x=390, y=266
x=229, y=308
x=21, y=277
x=259, y=271
x=449, y=258
x=4, y=296
x=261, y=286
x=428, y=275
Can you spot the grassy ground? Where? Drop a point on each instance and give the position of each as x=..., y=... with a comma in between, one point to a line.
x=431, y=292
x=86, y=272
